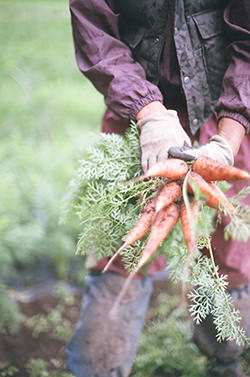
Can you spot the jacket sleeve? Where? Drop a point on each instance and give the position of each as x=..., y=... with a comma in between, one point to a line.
x=106, y=61
x=234, y=101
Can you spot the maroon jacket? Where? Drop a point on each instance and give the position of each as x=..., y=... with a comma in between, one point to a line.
x=109, y=64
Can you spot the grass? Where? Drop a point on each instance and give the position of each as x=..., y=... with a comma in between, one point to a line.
x=47, y=110
x=43, y=95
x=47, y=107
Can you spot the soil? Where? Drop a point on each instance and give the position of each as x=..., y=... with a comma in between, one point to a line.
x=17, y=350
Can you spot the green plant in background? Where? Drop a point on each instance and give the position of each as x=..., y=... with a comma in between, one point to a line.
x=245, y=361
x=9, y=371
x=55, y=326
x=38, y=368
x=53, y=322
x=10, y=317
x=165, y=345
x=47, y=109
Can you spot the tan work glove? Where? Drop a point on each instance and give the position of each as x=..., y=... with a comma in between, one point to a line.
x=217, y=148
x=159, y=132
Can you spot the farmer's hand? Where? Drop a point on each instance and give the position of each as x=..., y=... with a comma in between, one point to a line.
x=217, y=148
x=160, y=130
x=222, y=147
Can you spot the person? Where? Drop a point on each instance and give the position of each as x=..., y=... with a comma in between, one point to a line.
x=181, y=69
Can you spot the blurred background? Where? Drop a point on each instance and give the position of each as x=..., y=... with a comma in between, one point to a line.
x=47, y=111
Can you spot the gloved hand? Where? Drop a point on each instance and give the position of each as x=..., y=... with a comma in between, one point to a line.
x=217, y=148
x=159, y=132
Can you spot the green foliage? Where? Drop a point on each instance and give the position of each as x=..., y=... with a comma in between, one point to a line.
x=53, y=322
x=165, y=345
x=9, y=371
x=239, y=226
x=107, y=199
x=46, y=108
x=39, y=368
x=245, y=361
x=209, y=297
x=100, y=196
x=207, y=289
x=10, y=316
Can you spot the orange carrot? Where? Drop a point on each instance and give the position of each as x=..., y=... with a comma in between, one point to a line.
x=169, y=194
x=224, y=201
x=188, y=222
x=164, y=222
x=212, y=170
x=208, y=192
x=173, y=168
x=139, y=230
x=194, y=179
x=187, y=229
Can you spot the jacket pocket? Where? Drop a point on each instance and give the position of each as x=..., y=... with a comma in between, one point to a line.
x=209, y=24
x=211, y=38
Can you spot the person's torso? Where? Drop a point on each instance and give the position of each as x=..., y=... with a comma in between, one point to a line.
x=199, y=36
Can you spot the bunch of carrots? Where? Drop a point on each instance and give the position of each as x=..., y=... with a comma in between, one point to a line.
x=165, y=208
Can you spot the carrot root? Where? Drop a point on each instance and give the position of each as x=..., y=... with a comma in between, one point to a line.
x=169, y=194
x=114, y=257
x=212, y=170
x=188, y=226
x=173, y=168
x=141, y=227
x=224, y=202
x=212, y=196
x=113, y=311
x=164, y=222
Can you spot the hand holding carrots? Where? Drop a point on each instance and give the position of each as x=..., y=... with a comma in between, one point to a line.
x=160, y=131
x=217, y=148
x=164, y=210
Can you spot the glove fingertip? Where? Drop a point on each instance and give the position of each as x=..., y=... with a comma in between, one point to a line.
x=177, y=153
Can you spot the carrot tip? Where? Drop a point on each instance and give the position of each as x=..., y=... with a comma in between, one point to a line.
x=113, y=257
x=113, y=311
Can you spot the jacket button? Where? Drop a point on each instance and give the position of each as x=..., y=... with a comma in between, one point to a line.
x=186, y=79
x=195, y=122
x=157, y=39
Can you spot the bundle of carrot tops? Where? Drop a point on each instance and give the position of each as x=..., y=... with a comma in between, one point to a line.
x=168, y=205
x=169, y=210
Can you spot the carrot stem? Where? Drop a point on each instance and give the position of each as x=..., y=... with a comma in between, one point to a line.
x=209, y=247
x=184, y=191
